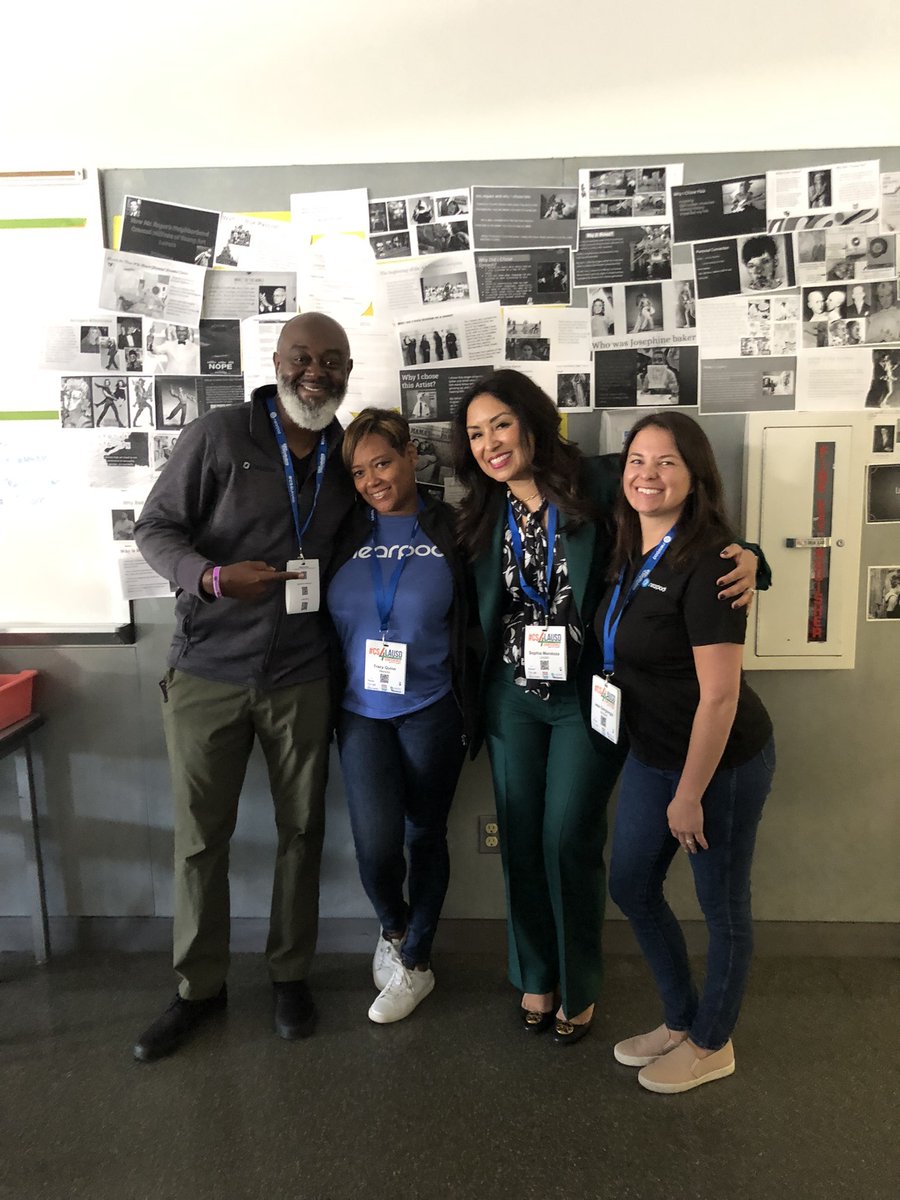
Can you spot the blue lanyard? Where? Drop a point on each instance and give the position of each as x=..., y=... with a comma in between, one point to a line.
x=291, y=476
x=385, y=595
x=543, y=602
x=610, y=625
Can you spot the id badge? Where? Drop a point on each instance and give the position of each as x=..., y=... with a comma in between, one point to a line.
x=545, y=652
x=606, y=708
x=385, y=667
x=301, y=595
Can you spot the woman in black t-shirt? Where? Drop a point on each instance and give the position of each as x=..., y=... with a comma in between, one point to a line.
x=702, y=755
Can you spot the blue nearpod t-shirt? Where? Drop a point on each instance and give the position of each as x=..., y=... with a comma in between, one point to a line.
x=420, y=617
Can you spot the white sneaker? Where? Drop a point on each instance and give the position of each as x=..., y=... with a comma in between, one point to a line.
x=401, y=996
x=385, y=961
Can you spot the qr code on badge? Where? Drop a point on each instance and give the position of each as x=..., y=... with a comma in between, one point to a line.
x=385, y=678
x=545, y=664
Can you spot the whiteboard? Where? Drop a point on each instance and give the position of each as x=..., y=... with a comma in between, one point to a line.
x=59, y=578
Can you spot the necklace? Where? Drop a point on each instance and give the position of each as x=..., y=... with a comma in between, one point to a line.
x=527, y=499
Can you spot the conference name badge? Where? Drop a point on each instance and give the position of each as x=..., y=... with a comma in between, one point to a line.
x=301, y=595
x=606, y=707
x=385, y=669
x=545, y=652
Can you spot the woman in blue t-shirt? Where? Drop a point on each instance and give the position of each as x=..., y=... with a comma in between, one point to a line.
x=701, y=753
x=397, y=598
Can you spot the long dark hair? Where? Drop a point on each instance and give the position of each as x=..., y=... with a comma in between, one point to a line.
x=556, y=463
x=703, y=519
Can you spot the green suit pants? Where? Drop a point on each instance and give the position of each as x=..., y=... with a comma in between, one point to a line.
x=552, y=783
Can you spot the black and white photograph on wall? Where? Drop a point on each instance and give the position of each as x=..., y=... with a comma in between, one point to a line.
x=129, y=333
x=272, y=299
x=377, y=217
x=176, y=402
x=421, y=211
x=603, y=317
x=643, y=307
x=553, y=279
x=172, y=349
x=739, y=195
x=432, y=346
x=883, y=439
x=390, y=245
x=573, y=390
x=434, y=466
x=766, y=262
x=456, y=205
x=220, y=347
x=441, y=287
x=140, y=402
x=517, y=327
x=884, y=594
x=443, y=237
x=420, y=404
x=883, y=324
x=161, y=448
x=134, y=359
x=883, y=494
x=122, y=524
x=651, y=253
x=527, y=349
x=662, y=376
x=658, y=380
x=75, y=410
x=110, y=401
x=397, y=218
x=559, y=206
x=881, y=254
x=719, y=208
x=91, y=337
x=685, y=305
x=818, y=188
x=110, y=355
x=885, y=387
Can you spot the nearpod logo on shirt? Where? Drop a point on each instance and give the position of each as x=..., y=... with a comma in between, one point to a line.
x=406, y=551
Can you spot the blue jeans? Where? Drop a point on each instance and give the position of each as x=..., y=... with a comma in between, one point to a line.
x=643, y=849
x=399, y=776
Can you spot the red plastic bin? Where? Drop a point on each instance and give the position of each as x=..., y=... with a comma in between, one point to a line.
x=15, y=697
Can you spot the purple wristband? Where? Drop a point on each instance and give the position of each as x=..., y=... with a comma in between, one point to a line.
x=217, y=591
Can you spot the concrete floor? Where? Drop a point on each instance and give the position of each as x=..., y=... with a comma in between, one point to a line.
x=457, y=1101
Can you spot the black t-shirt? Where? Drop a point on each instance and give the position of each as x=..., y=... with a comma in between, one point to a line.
x=654, y=662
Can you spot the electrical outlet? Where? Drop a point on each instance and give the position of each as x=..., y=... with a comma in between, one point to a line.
x=488, y=835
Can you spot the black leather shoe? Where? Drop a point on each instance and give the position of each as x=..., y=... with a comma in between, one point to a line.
x=536, y=1022
x=295, y=1012
x=176, y=1025
x=567, y=1034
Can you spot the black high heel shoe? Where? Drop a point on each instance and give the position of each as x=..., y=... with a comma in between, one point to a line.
x=567, y=1034
x=536, y=1022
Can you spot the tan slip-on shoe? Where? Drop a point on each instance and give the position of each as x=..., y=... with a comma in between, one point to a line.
x=645, y=1048
x=682, y=1069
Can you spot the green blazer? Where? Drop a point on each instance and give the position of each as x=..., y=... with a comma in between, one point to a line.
x=587, y=551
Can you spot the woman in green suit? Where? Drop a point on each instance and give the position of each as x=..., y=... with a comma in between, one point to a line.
x=534, y=521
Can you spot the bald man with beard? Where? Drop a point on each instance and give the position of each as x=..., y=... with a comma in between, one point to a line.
x=246, y=491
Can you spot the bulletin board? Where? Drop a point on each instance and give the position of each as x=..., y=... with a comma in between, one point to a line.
x=70, y=526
